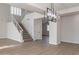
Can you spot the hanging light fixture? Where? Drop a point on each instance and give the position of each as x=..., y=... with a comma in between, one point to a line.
x=51, y=14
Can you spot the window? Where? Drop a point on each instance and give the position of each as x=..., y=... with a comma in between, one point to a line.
x=15, y=11
x=19, y=11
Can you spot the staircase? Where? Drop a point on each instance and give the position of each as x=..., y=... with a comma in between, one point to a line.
x=26, y=35
x=21, y=29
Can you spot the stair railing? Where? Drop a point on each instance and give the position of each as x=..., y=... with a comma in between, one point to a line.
x=16, y=24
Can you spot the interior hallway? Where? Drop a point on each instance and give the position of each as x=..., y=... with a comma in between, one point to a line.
x=37, y=48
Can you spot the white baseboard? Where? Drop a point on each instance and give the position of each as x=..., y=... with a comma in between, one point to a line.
x=3, y=37
x=75, y=42
x=11, y=39
x=16, y=40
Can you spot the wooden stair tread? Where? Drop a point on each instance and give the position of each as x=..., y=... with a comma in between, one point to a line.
x=26, y=35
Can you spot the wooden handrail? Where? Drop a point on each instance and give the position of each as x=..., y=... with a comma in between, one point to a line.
x=16, y=24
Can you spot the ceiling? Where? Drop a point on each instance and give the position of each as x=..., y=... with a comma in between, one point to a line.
x=58, y=6
x=41, y=7
x=61, y=6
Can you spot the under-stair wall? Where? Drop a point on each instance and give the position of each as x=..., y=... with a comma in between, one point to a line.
x=13, y=32
x=30, y=24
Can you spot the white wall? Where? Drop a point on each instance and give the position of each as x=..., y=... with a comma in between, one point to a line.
x=13, y=32
x=38, y=29
x=52, y=33
x=3, y=29
x=28, y=23
x=59, y=30
x=4, y=18
x=33, y=25
x=70, y=28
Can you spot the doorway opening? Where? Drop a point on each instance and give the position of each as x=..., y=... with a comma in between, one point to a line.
x=45, y=32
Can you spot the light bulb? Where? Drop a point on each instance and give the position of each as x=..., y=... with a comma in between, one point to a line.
x=49, y=14
x=54, y=16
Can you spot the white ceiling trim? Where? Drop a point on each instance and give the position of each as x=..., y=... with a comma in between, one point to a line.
x=72, y=10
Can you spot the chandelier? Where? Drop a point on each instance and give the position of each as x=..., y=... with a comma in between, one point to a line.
x=51, y=13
